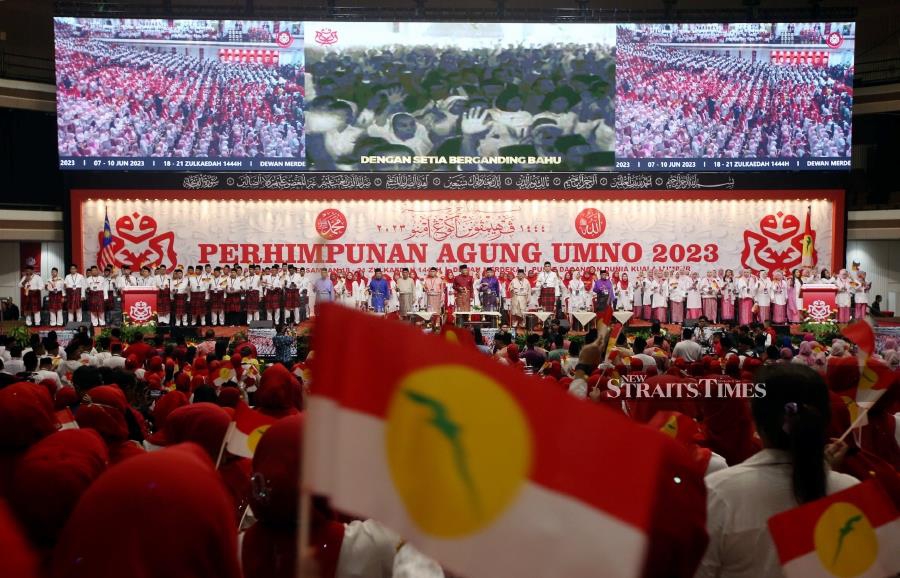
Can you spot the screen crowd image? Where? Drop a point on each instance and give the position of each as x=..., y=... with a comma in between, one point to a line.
x=734, y=91
x=132, y=88
x=395, y=91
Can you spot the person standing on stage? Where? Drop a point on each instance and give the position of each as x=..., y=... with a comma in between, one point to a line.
x=763, y=297
x=728, y=296
x=216, y=286
x=380, y=291
x=709, y=296
x=679, y=283
x=180, y=289
x=745, y=289
x=406, y=293
x=658, y=288
x=110, y=276
x=323, y=288
x=55, y=290
x=489, y=291
x=252, y=292
x=31, y=284
x=292, y=295
x=842, y=299
x=197, y=289
x=360, y=291
x=163, y=295
x=463, y=289
x=96, y=288
x=75, y=284
x=307, y=297
x=780, y=296
x=693, y=301
x=520, y=291
x=234, y=286
x=549, y=284
x=434, y=293
x=272, y=283
x=144, y=278
x=794, y=301
x=637, y=292
x=578, y=295
x=861, y=295
x=624, y=293
x=604, y=292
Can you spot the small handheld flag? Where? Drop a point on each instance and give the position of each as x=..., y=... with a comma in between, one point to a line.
x=852, y=534
x=66, y=419
x=474, y=464
x=248, y=427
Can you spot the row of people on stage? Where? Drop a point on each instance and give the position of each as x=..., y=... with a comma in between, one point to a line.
x=234, y=294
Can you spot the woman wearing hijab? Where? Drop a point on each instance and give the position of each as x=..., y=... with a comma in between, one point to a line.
x=792, y=420
x=50, y=478
x=26, y=417
x=104, y=410
x=165, y=514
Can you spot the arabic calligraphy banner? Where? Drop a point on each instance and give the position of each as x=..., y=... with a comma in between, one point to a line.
x=620, y=231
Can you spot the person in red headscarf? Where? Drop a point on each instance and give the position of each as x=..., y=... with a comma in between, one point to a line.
x=165, y=514
x=104, y=409
x=140, y=349
x=50, y=478
x=166, y=405
x=26, y=417
x=269, y=547
x=280, y=393
x=19, y=561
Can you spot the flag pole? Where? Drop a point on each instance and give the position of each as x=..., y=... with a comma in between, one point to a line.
x=855, y=423
x=224, y=443
x=305, y=564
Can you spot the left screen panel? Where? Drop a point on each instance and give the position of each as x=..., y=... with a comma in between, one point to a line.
x=153, y=94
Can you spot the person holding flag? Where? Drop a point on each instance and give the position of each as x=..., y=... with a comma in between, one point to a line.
x=791, y=419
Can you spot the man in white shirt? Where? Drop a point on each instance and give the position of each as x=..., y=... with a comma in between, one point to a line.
x=96, y=289
x=687, y=348
x=308, y=299
x=31, y=284
x=56, y=289
x=75, y=284
x=14, y=364
x=45, y=373
x=115, y=360
x=292, y=284
x=197, y=289
x=252, y=287
x=548, y=284
x=216, y=287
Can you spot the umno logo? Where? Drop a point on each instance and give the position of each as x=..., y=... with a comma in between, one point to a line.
x=331, y=224
x=284, y=39
x=136, y=242
x=776, y=245
x=819, y=311
x=326, y=36
x=834, y=39
x=590, y=223
x=140, y=312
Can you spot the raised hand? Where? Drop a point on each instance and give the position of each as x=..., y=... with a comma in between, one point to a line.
x=474, y=121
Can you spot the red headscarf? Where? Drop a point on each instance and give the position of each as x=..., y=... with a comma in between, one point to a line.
x=51, y=477
x=65, y=397
x=26, y=416
x=166, y=405
x=279, y=392
x=103, y=410
x=162, y=514
x=18, y=558
x=270, y=546
x=204, y=424
x=229, y=397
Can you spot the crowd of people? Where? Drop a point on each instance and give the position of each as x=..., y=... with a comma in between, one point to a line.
x=147, y=475
x=122, y=101
x=733, y=33
x=235, y=295
x=553, y=101
x=188, y=30
x=682, y=103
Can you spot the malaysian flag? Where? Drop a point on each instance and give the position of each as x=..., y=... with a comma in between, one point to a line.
x=105, y=256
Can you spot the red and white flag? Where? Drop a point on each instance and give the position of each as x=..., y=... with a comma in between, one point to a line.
x=247, y=428
x=854, y=533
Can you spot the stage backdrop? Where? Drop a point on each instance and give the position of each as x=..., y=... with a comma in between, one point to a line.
x=360, y=231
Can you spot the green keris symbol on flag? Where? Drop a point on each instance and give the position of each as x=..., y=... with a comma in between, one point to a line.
x=449, y=429
x=843, y=532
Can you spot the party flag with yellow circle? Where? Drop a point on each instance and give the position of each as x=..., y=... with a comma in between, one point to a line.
x=854, y=533
x=249, y=425
x=489, y=471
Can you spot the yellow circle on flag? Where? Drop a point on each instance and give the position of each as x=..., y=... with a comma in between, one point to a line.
x=845, y=540
x=458, y=448
x=254, y=437
x=670, y=428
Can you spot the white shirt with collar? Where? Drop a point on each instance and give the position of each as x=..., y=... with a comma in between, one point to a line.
x=740, y=501
x=551, y=279
x=76, y=281
x=114, y=362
